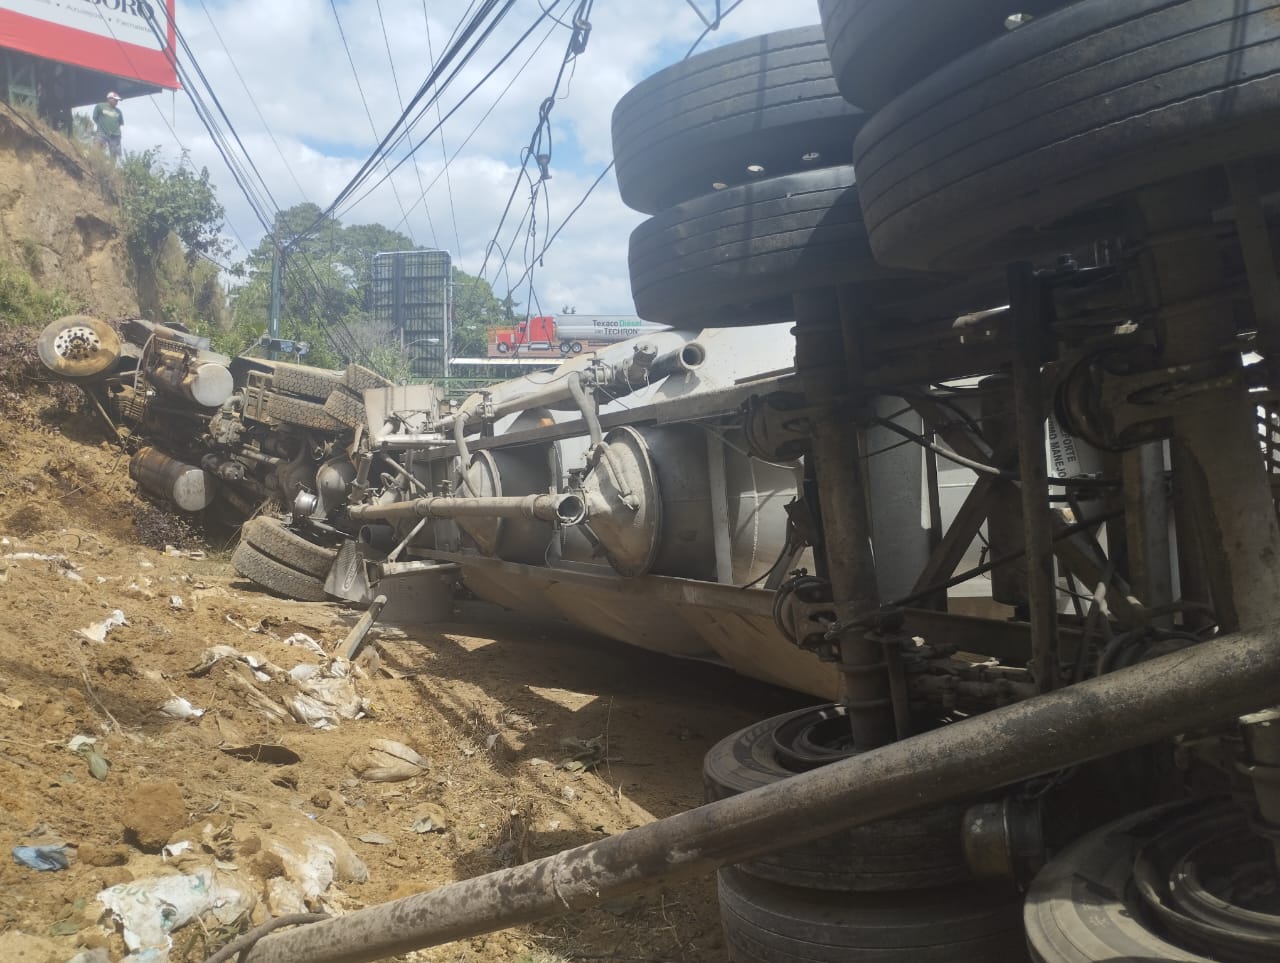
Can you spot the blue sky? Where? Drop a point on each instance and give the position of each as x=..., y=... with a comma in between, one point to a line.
x=316, y=132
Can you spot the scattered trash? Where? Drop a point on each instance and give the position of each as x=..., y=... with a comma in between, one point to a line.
x=323, y=700
x=584, y=754
x=175, y=602
x=97, y=632
x=304, y=641
x=97, y=955
x=175, y=552
x=432, y=821
x=269, y=753
x=85, y=747
x=388, y=761
x=313, y=857
x=150, y=909
x=46, y=859
x=174, y=850
x=376, y=839
x=262, y=670
x=36, y=557
x=180, y=708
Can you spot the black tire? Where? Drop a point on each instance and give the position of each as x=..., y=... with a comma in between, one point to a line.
x=767, y=923
x=503, y=348
x=1083, y=905
x=345, y=406
x=79, y=348
x=276, y=577
x=981, y=162
x=358, y=378
x=737, y=256
x=272, y=538
x=575, y=347
x=305, y=414
x=879, y=48
x=304, y=381
x=908, y=852
x=768, y=102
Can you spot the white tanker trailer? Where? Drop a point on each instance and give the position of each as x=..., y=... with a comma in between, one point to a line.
x=628, y=493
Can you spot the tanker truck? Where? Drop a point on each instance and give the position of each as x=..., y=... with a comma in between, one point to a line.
x=568, y=333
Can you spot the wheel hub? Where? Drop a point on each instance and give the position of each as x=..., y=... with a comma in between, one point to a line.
x=77, y=343
x=1210, y=881
x=814, y=738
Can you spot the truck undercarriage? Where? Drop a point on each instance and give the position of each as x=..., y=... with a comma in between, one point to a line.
x=1056, y=272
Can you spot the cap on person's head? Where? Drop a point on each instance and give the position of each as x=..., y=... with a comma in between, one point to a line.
x=113, y=96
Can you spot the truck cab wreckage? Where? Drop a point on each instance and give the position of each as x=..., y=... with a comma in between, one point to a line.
x=1055, y=273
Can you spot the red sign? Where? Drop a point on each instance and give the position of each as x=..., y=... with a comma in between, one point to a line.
x=117, y=37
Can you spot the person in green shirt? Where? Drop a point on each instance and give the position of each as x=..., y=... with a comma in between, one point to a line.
x=109, y=119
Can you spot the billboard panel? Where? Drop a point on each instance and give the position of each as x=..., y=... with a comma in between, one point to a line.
x=113, y=36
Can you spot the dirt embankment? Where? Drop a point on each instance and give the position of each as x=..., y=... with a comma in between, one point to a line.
x=498, y=709
x=57, y=222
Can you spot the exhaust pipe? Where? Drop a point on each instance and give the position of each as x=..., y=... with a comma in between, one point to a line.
x=563, y=509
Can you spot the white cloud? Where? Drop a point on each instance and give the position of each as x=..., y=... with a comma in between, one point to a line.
x=298, y=79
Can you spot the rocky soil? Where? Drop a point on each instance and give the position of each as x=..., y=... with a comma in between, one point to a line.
x=170, y=744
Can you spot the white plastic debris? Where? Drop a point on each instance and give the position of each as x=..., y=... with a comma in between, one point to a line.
x=174, y=850
x=97, y=632
x=180, y=708
x=304, y=641
x=388, y=761
x=150, y=909
x=175, y=602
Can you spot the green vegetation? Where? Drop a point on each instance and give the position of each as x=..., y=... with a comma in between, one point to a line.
x=160, y=201
x=24, y=301
x=326, y=294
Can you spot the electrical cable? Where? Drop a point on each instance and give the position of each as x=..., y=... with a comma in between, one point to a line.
x=252, y=100
x=402, y=124
x=373, y=128
x=476, y=129
x=444, y=150
x=456, y=107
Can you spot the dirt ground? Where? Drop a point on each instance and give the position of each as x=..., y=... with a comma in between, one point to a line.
x=493, y=704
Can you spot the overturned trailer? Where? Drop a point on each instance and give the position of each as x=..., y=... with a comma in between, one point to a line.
x=1062, y=208
x=627, y=492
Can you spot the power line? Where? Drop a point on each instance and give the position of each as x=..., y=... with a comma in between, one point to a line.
x=395, y=79
x=466, y=97
x=476, y=129
x=444, y=151
x=601, y=176
x=539, y=148
x=402, y=123
x=373, y=128
x=252, y=99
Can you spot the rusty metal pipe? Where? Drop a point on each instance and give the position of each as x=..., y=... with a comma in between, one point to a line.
x=566, y=508
x=1205, y=685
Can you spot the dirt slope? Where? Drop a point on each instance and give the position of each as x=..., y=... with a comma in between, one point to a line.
x=486, y=700
x=55, y=220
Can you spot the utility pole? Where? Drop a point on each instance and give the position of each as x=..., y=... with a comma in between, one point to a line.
x=277, y=269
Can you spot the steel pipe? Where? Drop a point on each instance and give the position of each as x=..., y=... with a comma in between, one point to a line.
x=1208, y=684
x=565, y=509
x=657, y=354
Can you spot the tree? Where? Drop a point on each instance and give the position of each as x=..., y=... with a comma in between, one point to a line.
x=325, y=294
x=159, y=201
x=476, y=311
